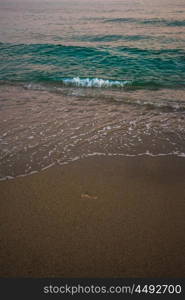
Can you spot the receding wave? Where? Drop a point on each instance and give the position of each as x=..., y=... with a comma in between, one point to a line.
x=44, y=124
x=121, y=87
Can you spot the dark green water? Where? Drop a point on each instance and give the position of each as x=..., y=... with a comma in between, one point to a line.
x=82, y=77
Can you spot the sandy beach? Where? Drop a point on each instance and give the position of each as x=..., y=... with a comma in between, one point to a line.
x=96, y=217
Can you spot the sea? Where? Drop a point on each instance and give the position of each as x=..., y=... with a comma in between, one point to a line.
x=83, y=78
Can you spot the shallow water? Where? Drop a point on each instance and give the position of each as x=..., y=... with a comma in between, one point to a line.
x=84, y=78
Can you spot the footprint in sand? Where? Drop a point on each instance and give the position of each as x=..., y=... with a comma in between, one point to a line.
x=88, y=196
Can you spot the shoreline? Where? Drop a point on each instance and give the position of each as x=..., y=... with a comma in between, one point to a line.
x=96, y=217
x=91, y=156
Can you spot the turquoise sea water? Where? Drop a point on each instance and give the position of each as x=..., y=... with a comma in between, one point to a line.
x=139, y=42
x=131, y=66
x=112, y=72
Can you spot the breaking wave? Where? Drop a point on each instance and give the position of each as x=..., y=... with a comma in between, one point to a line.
x=94, y=82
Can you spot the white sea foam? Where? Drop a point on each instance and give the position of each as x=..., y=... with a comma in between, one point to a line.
x=94, y=82
x=7, y=178
x=95, y=154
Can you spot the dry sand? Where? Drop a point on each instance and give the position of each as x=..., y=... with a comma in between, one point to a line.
x=98, y=217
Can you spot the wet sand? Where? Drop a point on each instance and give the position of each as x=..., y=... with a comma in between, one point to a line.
x=97, y=217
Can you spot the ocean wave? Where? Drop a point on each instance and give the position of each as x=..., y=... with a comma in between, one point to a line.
x=111, y=38
x=78, y=83
x=163, y=105
x=153, y=21
x=94, y=82
x=102, y=66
